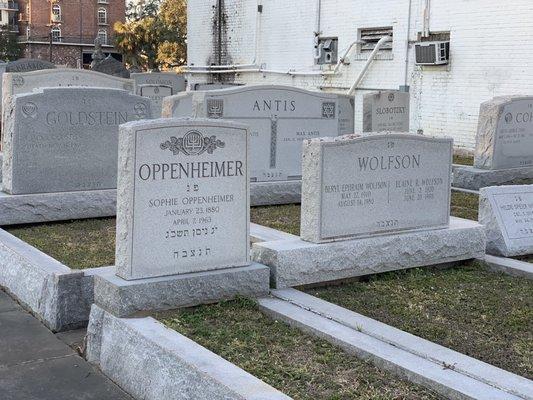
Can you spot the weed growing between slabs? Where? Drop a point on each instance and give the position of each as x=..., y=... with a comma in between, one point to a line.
x=298, y=365
x=463, y=160
x=483, y=314
x=89, y=243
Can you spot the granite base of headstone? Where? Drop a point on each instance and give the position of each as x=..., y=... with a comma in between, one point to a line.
x=280, y=119
x=504, y=145
x=60, y=153
x=183, y=216
x=372, y=204
x=506, y=212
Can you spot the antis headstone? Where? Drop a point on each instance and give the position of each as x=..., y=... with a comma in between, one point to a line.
x=505, y=133
x=66, y=139
x=280, y=117
x=183, y=198
x=386, y=111
x=506, y=212
x=363, y=186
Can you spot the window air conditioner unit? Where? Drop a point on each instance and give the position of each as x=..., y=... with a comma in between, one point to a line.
x=432, y=53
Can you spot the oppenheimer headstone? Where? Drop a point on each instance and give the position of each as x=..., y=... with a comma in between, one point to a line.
x=183, y=197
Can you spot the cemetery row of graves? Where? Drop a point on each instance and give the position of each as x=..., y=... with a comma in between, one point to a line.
x=249, y=245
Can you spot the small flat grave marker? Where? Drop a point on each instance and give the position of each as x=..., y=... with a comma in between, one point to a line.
x=183, y=197
x=507, y=214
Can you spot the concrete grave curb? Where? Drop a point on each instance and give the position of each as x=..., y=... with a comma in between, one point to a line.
x=451, y=374
x=466, y=177
x=172, y=365
x=59, y=296
x=509, y=266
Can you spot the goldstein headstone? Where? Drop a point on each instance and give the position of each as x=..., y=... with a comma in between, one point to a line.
x=66, y=139
x=183, y=197
x=386, y=111
x=506, y=212
x=374, y=185
x=505, y=133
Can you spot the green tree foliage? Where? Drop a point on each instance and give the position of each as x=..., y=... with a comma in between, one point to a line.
x=10, y=48
x=154, y=37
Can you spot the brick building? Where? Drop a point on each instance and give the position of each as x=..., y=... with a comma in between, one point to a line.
x=274, y=42
x=66, y=29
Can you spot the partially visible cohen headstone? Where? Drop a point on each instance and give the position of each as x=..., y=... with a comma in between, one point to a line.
x=66, y=139
x=183, y=198
x=504, y=145
x=374, y=185
x=280, y=119
x=506, y=212
x=386, y=110
x=505, y=133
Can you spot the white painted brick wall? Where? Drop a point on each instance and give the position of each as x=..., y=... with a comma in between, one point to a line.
x=491, y=51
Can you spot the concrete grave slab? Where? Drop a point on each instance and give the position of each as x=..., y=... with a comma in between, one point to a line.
x=386, y=110
x=173, y=365
x=506, y=212
x=297, y=262
x=509, y=266
x=472, y=178
x=66, y=139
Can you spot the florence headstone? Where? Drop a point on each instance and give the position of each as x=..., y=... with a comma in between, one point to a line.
x=66, y=139
x=280, y=119
x=386, y=111
x=506, y=212
x=505, y=133
x=183, y=197
x=362, y=186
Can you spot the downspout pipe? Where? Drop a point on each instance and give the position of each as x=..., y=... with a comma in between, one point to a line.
x=379, y=44
x=407, y=39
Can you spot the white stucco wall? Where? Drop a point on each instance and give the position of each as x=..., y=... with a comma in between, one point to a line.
x=491, y=51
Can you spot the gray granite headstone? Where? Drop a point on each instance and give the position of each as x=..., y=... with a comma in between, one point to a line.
x=156, y=93
x=65, y=139
x=280, y=118
x=362, y=186
x=175, y=81
x=26, y=82
x=183, y=197
x=505, y=133
x=28, y=64
x=386, y=111
x=506, y=212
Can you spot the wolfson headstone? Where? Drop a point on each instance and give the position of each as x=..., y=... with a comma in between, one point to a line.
x=362, y=186
x=506, y=212
x=504, y=145
x=66, y=139
x=386, y=111
x=183, y=199
x=280, y=117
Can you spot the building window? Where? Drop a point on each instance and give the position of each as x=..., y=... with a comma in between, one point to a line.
x=56, y=13
x=102, y=36
x=102, y=16
x=369, y=37
x=56, y=34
